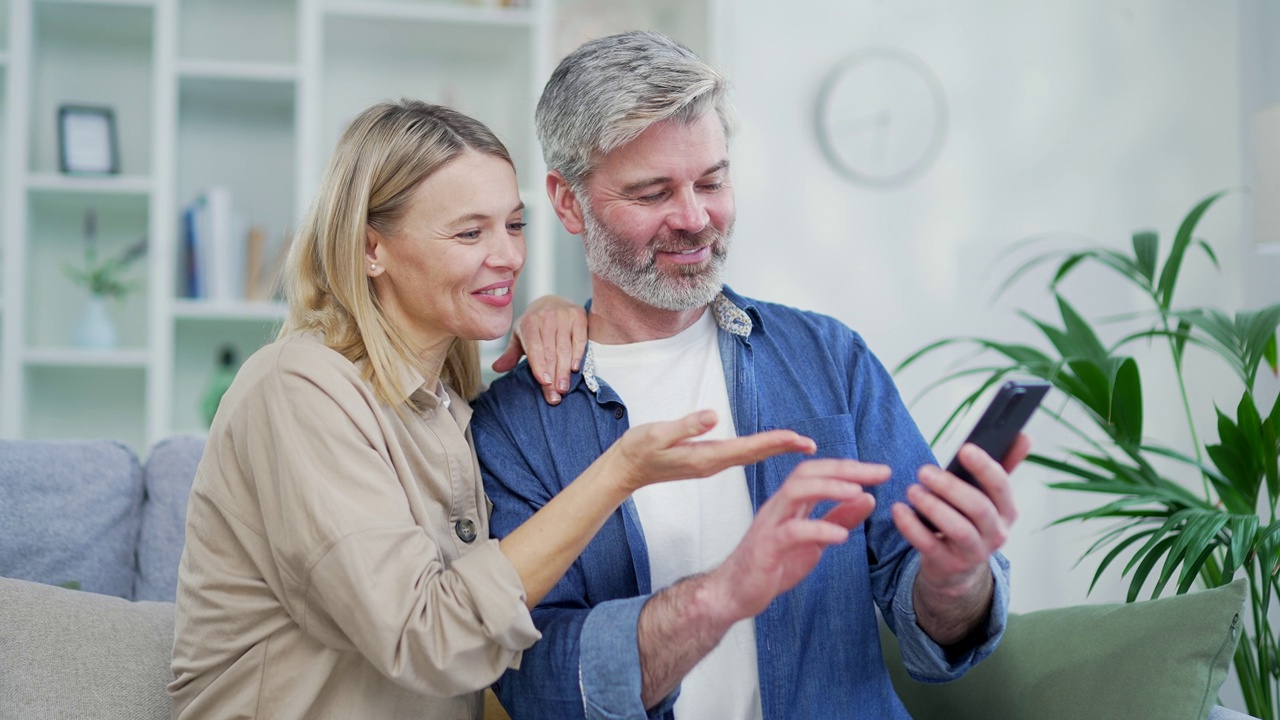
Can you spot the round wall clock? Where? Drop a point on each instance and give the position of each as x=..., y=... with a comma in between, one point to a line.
x=882, y=117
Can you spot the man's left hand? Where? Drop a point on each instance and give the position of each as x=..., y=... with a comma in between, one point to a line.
x=953, y=589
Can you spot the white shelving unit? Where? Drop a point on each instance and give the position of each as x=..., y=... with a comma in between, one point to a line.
x=250, y=95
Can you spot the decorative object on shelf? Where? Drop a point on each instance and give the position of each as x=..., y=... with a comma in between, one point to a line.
x=214, y=247
x=103, y=281
x=881, y=117
x=87, y=140
x=223, y=374
x=1198, y=511
x=95, y=330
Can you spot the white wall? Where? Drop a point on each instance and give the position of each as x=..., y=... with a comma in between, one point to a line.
x=1091, y=117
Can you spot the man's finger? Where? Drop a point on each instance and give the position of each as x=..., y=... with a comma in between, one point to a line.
x=913, y=530
x=852, y=513
x=993, y=478
x=856, y=471
x=1017, y=453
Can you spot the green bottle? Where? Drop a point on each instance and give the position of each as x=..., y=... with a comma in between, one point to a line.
x=223, y=374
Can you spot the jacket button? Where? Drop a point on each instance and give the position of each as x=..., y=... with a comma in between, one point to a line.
x=618, y=413
x=465, y=529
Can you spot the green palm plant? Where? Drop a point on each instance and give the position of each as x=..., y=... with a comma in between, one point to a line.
x=1205, y=513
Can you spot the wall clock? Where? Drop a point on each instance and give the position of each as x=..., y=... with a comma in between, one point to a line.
x=881, y=117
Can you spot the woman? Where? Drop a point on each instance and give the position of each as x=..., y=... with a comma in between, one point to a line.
x=337, y=562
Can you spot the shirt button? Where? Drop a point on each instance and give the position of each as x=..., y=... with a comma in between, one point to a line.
x=465, y=529
x=618, y=413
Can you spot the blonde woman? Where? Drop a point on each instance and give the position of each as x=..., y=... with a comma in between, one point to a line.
x=338, y=562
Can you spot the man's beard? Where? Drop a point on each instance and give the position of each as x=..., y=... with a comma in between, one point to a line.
x=612, y=258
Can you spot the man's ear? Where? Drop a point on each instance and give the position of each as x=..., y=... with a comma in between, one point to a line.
x=565, y=202
x=373, y=252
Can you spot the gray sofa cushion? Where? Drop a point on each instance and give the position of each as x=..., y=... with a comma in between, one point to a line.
x=170, y=469
x=70, y=654
x=70, y=512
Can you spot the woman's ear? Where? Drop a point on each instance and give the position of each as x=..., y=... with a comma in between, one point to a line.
x=565, y=202
x=373, y=251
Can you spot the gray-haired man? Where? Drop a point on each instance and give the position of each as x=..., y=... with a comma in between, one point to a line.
x=680, y=606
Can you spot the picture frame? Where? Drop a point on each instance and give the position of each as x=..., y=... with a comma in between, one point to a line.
x=87, y=140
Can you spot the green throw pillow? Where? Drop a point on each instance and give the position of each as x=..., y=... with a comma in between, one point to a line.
x=1161, y=659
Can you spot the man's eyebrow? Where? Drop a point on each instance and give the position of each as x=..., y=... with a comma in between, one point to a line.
x=640, y=185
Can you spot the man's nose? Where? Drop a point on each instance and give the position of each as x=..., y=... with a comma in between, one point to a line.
x=688, y=212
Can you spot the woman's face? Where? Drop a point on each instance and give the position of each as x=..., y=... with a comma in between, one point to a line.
x=450, y=269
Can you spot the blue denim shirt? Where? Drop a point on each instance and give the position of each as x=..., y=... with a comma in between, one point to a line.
x=818, y=646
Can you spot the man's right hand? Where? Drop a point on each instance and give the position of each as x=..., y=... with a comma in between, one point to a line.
x=784, y=544
x=684, y=622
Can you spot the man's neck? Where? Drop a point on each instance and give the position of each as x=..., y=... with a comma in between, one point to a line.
x=617, y=318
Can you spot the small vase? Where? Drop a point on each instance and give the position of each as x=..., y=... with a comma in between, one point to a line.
x=95, y=330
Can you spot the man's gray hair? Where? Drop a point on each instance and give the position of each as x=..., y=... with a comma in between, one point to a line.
x=611, y=89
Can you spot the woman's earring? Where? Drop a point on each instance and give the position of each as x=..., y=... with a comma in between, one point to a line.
x=373, y=267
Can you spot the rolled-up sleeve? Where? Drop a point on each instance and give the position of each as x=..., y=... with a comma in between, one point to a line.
x=926, y=660
x=609, y=663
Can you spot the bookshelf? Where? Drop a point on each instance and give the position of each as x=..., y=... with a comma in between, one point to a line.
x=248, y=95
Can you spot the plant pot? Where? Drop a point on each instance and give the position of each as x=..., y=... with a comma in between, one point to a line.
x=95, y=330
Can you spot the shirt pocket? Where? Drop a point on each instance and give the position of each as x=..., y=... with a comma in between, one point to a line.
x=834, y=437
x=832, y=433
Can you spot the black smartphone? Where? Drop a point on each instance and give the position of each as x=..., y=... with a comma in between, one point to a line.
x=1000, y=424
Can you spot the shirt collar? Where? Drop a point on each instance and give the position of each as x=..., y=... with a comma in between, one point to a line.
x=729, y=311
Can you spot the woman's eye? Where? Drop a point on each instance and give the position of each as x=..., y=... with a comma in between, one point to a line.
x=516, y=226
x=469, y=235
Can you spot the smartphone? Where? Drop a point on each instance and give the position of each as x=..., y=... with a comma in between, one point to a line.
x=1000, y=424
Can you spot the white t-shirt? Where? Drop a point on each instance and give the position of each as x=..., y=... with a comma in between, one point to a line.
x=691, y=526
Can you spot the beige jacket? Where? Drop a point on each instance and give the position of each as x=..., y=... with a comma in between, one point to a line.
x=327, y=571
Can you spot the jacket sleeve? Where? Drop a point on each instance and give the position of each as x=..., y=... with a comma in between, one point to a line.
x=587, y=664
x=359, y=572
x=888, y=434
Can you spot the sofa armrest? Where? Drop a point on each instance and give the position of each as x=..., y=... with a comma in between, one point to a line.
x=72, y=654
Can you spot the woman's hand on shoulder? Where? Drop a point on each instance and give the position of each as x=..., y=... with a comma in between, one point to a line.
x=552, y=332
x=662, y=451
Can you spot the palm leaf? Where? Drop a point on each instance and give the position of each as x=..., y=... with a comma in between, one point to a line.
x=1126, y=401
x=1145, y=249
x=1181, y=241
x=1191, y=570
x=1115, y=552
x=1149, y=558
x=1196, y=538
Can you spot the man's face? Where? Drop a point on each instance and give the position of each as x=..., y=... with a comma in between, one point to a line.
x=658, y=214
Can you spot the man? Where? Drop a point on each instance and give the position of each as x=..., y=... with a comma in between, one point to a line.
x=680, y=605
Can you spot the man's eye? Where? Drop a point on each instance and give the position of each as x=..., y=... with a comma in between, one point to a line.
x=712, y=187
x=655, y=197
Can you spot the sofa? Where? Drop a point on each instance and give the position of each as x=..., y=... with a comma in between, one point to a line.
x=90, y=539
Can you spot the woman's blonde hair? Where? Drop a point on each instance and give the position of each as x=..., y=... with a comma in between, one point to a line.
x=382, y=156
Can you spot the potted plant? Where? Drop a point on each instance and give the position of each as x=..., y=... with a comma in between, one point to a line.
x=1176, y=515
x=103, y=279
